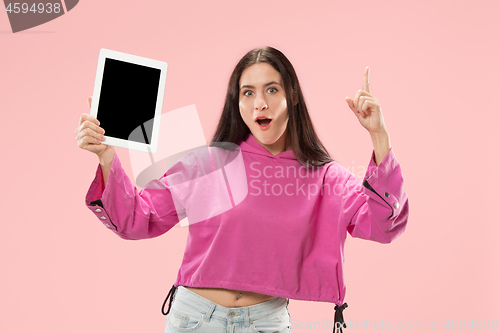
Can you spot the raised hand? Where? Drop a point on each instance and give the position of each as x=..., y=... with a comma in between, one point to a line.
x=367, y=107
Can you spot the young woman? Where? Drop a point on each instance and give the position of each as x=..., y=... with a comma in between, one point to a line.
x=285, y=238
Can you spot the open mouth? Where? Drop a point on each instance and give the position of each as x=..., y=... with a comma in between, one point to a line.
x=263, y=121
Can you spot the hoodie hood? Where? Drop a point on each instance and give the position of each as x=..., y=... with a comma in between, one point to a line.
x=250, y=145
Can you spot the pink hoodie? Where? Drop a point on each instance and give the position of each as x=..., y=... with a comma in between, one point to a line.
x=285, y=237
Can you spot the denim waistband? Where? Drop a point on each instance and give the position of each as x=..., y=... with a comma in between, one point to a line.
x=238, y=314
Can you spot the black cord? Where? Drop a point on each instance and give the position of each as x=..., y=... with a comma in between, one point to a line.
x=339, y=318
x=171, y=296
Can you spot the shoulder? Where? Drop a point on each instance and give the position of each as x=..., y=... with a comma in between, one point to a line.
x=205, y=160
x=337, y=173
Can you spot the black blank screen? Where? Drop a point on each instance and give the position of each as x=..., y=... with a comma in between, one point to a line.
x=128, y=100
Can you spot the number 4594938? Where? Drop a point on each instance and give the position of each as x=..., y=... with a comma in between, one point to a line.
x=35, y=8
x=477, y=324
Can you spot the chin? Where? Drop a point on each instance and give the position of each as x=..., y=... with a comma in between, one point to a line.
x=266, y=139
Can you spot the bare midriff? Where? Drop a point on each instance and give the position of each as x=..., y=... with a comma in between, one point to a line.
x=231, y=298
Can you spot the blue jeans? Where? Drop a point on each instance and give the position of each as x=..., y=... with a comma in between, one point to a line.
x=192, y=313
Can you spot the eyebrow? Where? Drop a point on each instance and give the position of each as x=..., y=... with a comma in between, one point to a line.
x=267, y=84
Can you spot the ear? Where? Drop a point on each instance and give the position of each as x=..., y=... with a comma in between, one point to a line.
x=295, y=97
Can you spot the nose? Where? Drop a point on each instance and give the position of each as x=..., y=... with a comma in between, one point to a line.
x=260, y=103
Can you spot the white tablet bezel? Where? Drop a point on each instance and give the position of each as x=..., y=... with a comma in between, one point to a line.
x=112, y=141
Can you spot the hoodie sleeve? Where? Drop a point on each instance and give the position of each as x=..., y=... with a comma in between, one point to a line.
x=377, y=208
x=128, y=212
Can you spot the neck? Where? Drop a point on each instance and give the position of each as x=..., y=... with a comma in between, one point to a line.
x=278, y=147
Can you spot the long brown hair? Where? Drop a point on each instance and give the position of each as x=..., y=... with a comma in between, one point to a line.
x=305, y=144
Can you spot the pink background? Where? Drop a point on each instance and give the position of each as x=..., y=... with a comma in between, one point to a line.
x=434, y=67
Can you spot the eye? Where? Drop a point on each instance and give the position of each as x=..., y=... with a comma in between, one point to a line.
x=247, y=91
x=275, y=90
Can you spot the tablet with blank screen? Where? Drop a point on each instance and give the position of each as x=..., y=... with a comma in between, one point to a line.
x=128, y=98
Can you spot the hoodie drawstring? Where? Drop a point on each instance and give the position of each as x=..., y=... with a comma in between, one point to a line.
x=339, y=318
x=171, y=296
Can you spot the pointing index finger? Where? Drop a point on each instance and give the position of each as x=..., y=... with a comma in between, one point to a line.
x=366, y=83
